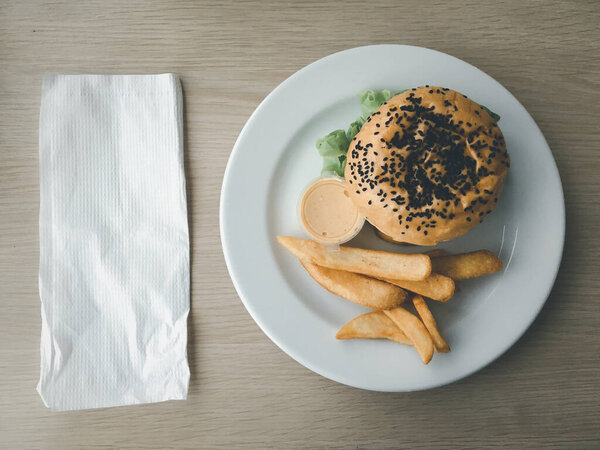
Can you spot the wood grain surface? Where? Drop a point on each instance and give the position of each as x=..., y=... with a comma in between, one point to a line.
x=244, y=391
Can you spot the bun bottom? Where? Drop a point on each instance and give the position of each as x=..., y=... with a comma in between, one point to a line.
x=380, y=234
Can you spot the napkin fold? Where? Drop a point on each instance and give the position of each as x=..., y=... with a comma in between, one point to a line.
x=114, y=243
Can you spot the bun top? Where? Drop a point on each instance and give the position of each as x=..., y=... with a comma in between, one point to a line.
x=427, y=166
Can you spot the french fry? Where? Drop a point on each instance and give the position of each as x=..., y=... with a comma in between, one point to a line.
x=432, y=254
x=367, y=262
x=415, y=330
x=357, y=288
x=439, y=343
x=373, y=325
x=435, y=286
x=467, y=265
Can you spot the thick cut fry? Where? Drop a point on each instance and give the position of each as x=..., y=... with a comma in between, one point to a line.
x=367, y=262
x=467, y=265
x=435, y=286
x=357, y=288
x=415, y=330
x=439, y=343
x=373, y=325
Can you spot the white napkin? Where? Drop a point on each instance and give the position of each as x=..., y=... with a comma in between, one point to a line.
x=114, y=245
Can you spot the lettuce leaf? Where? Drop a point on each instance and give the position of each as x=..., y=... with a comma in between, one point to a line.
x=495, y=116
x=333, y=148
x=354, y=128
x=333, y=143
x=333, y=165
x=370, y=101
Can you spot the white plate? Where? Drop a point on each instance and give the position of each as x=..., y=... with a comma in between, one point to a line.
x=275, y=156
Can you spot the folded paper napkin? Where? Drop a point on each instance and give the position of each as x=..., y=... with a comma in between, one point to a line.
x=114, y=245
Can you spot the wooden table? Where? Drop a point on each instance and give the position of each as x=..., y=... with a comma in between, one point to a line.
x=244, y=391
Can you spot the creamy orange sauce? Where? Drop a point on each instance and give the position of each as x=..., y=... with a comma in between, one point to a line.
x=327, y=214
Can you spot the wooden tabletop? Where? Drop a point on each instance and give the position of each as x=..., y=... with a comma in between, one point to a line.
x=244, y=391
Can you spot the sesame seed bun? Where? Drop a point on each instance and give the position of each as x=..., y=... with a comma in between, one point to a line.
x=427, y=166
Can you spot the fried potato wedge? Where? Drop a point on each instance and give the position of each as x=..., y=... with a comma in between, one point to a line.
x=373, y=325
x=416, y=331
x=435, y=286
x=467, y=265
x=439, y=343
x=357, y=288
x=367, y=262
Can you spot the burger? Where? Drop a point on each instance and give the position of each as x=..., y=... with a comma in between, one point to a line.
x=427, y=166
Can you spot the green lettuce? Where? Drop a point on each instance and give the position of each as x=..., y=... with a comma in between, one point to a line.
x=354, y=128
x=495, y=116
x=333, y=148
x=370, y=101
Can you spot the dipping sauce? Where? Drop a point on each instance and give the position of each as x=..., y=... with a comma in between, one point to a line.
x=327, y=213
